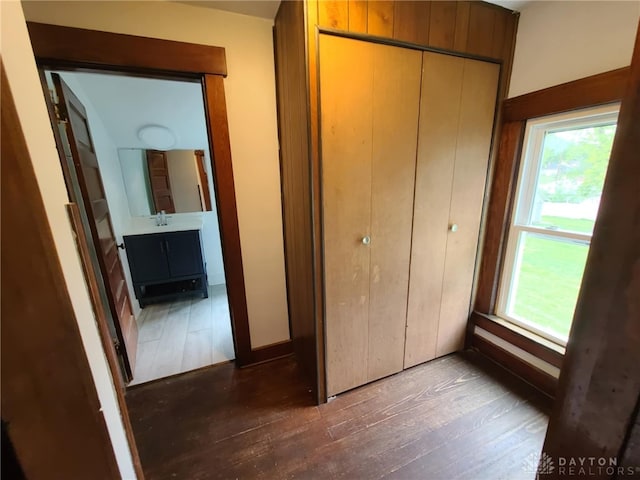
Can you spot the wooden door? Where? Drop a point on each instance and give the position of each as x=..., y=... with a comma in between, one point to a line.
x=160, y=183
x=456, y=119
x=90, y=181
x=369, y=113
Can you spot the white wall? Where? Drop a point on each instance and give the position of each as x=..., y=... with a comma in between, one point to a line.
x=24, y=82
x=561, y=41
x=250, y=93
x=133, y=164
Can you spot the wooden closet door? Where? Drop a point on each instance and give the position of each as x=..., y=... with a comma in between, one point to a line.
x=477, y=108
x=346, y=89
x=456, y=121
x=438, y=134
x=396, y=106
x=369, y=113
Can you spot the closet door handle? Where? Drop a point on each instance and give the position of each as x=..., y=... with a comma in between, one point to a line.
x=453, y=227
x=366, y=240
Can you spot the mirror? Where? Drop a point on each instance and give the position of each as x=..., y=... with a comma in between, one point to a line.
x=175, y=181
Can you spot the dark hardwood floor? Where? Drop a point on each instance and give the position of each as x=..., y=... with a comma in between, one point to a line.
x=460, y=416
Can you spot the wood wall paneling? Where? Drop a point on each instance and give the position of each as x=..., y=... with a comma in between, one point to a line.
x=295, y=181
x=463, y=10
x=358, y=16
x=346, y=82
x=481, y=29
x=396, y=101
x=442, y=24
x=49, y=398
x=380, y=18
x=334, y=14
x=600, y=372
x=411, y=21
x=477, y=106
x=438, y=131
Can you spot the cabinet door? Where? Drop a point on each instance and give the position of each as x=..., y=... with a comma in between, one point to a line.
x=147, y=258
x=369, y=117
x=184, y=253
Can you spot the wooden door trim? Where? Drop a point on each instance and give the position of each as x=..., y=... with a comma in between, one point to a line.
x=128, y=52
x=220, y=147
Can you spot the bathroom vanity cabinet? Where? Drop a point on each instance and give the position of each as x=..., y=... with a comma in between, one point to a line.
x=166, y=265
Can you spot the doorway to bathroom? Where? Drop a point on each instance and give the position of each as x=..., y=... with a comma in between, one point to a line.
x=138, y=148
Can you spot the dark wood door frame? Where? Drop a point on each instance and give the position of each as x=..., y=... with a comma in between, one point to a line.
x=69, y=48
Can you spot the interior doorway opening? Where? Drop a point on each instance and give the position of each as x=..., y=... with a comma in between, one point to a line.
x=139, y=166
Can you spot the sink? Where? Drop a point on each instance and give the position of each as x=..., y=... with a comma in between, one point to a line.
x=175, y=223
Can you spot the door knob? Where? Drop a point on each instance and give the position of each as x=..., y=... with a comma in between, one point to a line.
x=366, y=240
x=453, y=227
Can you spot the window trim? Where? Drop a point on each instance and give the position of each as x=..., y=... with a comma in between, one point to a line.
x=530, y=160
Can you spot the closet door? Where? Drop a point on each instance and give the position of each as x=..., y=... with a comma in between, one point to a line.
x=346, y=90
x=369, y=112
x=456, y=120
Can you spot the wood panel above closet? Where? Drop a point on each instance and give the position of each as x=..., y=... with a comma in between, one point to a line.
x=475, y=28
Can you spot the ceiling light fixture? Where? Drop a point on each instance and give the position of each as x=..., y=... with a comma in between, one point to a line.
x=157, y=137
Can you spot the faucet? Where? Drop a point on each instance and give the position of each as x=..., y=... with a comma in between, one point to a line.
x=161, y=218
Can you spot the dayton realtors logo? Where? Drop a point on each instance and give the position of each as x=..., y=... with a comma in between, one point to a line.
x=565, y=467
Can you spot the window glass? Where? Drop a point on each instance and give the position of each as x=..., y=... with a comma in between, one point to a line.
x=570, y=178
x=562, y=172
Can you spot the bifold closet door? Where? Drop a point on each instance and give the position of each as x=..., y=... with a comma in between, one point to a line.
x=456, y=121
x=369, y=96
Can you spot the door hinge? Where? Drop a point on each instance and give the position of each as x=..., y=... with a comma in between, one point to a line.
x=61, y=113
x=117, y=346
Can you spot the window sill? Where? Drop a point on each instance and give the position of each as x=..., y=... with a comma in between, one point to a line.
x=536, y=345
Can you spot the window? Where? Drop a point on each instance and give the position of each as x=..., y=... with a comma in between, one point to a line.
x=562, y=172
